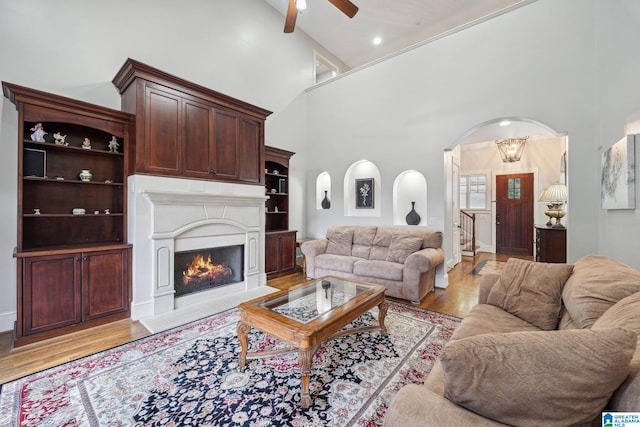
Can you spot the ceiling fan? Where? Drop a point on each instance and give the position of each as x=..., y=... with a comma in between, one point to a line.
x=345, y=7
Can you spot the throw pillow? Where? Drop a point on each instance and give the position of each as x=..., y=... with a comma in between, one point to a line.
x=596, y=284
x=550, y=378
x=403, y=246
x=531, y=291
x=625, y=314
x=339, y=242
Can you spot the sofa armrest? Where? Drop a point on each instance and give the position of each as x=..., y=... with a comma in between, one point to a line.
x=486, y=283
x=424, y=260
x=419, y=272
x=310, y=249
x=416, y=405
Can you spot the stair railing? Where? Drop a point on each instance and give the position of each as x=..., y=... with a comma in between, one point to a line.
x=468, y=232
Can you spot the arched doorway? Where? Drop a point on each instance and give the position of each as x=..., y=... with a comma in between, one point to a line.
x=475, y=154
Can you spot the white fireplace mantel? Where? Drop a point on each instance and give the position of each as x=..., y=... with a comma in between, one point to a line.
x=174, y=214
x=194, y=199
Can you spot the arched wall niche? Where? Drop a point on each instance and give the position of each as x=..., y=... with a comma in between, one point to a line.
x=409, y=186
x=362, y=170
x=323, y=184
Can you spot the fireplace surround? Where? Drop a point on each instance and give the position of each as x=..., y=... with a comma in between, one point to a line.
x=173, y=215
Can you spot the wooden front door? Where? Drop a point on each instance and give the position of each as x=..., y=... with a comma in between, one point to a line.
x=514, y=214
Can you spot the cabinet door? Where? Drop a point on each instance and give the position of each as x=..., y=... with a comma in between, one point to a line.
x=50, y=292
x=105, y=283
x=162, y=132
x=225, y=157
x=272, y=253
x=287, y=251
x=198, y=139
x=250, y=151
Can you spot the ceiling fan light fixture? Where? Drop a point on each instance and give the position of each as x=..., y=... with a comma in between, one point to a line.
x=301, y=4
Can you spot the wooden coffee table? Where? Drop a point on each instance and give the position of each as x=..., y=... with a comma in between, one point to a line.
x=307, y=315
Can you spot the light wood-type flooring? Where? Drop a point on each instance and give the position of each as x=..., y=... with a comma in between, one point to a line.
x=456, y=300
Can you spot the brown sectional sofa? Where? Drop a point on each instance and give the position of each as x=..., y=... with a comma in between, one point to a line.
x=404, y=260
x=536, y=350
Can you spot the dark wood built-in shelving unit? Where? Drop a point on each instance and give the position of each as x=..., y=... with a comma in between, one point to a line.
x=280, y=242
x=73, y=269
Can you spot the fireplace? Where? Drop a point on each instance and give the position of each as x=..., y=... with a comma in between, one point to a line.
x=200, y=270
x=171, y=216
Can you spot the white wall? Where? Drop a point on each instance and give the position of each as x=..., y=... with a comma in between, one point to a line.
x=74, y=48
x=618, y=81
x=538, y=62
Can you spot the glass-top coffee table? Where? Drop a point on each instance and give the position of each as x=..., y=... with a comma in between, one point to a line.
x=307, y=315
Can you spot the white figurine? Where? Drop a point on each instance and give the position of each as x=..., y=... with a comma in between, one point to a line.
x=59, y=139
x=86, y=144
x=113, y=145
x=38, y=133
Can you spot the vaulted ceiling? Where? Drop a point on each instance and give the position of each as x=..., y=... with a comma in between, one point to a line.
x=399, y=23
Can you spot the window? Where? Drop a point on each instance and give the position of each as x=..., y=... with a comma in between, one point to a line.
x=323, y=68
x=513, y=188
x=473, y=192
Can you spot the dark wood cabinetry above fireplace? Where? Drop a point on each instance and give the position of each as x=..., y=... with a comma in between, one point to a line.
x=186, y=130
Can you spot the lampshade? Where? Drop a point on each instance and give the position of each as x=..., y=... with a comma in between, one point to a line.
x=543, y=196
x=555, y=193
x=511, y=148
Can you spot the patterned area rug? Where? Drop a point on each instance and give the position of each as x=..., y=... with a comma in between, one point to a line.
x=188, y=376
x=488, y=267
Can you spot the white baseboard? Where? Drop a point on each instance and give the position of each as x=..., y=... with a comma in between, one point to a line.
x=7, y=320
x=442, y=281
x=141, y=309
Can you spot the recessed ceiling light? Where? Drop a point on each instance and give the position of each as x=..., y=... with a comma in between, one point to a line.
x=377, y=41
x=505, y=123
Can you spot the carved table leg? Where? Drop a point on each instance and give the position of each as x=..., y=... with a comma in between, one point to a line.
x=305, y=356
x=243, y=332
x=382, y=313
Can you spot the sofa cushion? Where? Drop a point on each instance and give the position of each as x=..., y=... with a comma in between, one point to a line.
x=381, y=243
x=403, y=246
x=597, y=283
x=376, y=268
x=625, y=314
x=561, y=377
x=339, y=241
x=489, y=319
x=362, y=241
x=531, y=291
x=336, y=262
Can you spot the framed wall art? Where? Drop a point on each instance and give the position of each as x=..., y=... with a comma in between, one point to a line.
x=364, y=193
x=617, y=180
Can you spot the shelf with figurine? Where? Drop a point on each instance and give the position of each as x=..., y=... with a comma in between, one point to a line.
x=76, y=138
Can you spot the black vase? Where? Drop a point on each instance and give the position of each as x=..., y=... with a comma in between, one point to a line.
x=326, y=203
x=412, y=217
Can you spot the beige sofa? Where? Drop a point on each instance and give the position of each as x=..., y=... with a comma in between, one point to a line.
x=536, y=351
x=404, y=260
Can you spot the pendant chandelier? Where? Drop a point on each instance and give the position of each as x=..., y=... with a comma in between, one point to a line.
x=511, y=148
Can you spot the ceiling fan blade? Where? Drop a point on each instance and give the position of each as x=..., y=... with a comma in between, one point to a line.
x=290, y=20
x=346, y=7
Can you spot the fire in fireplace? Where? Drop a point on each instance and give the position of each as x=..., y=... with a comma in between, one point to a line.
x=204, y=269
